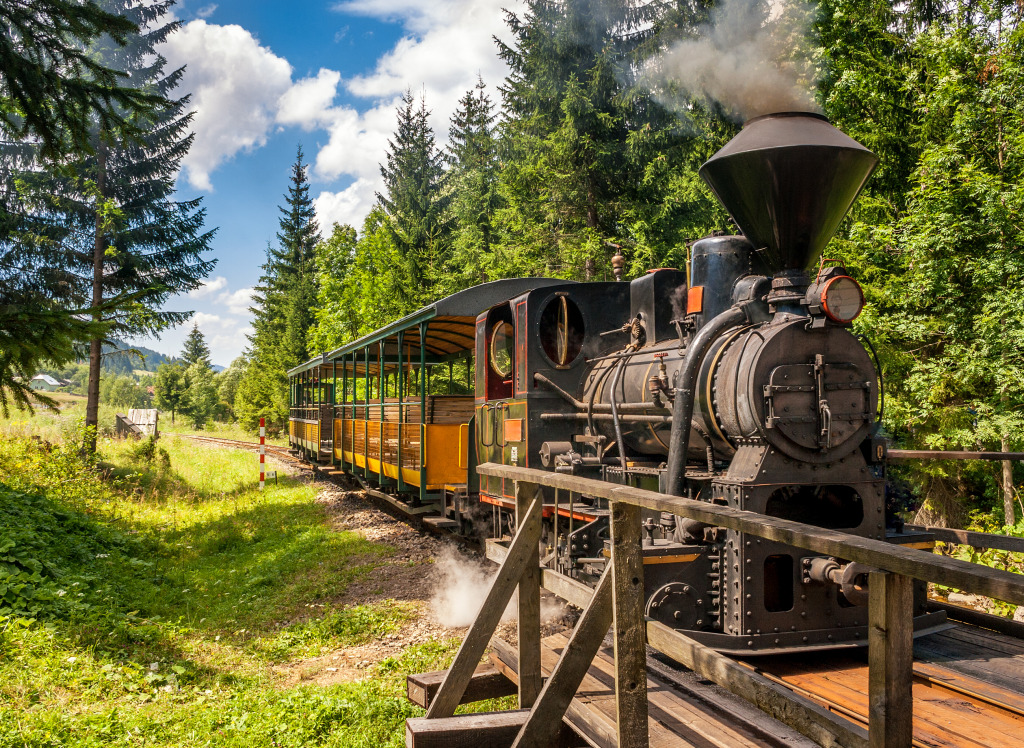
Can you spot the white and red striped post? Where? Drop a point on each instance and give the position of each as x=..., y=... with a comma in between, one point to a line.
x=263, y=452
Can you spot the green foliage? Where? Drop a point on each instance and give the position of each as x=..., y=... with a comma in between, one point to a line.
x=123, y=393
x=51, y=87
x=200, y=398
x=418, y=221
x=56, y=559
x=169, y=388
x=347, y=627
x=208, y=584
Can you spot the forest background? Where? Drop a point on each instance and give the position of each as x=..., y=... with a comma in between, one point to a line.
x=589, y=147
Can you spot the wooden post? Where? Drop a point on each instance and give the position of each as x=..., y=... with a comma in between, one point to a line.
x=890, y=660
x=523, y=548
x=546, y=715
x=628, y=624
x=530, y=675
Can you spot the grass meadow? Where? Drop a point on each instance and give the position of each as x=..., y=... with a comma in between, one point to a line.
x=147, y=596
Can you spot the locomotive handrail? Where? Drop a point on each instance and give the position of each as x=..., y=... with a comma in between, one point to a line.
x=911, y=562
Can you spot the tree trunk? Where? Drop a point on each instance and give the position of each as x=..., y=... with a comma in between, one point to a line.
x=92, y=404
x=1008, y=491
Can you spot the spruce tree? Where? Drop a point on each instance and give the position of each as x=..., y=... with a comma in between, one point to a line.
x=590, y=159
x=51, y=90
x=196, y=350
x=51, y=87
x=283, y=307
x=471, y=180
x=126, y=244
x=419, y=222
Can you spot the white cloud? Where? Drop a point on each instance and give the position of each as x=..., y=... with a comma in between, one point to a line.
x=212, y=322
x=308, y=103
x=448, y=43
x=207, y=10
x=349, y=206
x=235, y=85
x=242, y=90
x=209, y=287
x=237, y=302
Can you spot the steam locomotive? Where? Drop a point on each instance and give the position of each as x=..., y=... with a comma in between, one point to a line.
x=736, y=382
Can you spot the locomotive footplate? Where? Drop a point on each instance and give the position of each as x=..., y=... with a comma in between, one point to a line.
x=782, y=642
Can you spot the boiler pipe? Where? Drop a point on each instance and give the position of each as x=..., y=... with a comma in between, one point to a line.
x=682, y=411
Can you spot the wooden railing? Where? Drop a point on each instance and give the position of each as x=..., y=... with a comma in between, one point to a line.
x=617, y=601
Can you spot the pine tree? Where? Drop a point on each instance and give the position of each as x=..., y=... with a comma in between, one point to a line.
x=196, y=350
x=126, y=244
x=283, y=308
x=417, y=209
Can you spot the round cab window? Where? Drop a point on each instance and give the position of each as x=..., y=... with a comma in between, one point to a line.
x=502, y=340
x=561, y=331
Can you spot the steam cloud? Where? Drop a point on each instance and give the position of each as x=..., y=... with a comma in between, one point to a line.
x=462, y=585
x=750, y=62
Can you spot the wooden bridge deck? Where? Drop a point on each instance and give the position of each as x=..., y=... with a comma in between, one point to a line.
x=968, y=693
x=703, y=717
x=968, y=687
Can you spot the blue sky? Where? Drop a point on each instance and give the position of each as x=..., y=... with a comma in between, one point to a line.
x=267, y=76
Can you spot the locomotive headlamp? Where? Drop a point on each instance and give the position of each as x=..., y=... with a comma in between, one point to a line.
x=834, y=295
x=842, y=299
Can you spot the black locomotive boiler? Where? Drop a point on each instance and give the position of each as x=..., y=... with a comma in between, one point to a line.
x=736, y=382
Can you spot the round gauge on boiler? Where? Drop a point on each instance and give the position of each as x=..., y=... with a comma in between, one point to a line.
x=842, y=299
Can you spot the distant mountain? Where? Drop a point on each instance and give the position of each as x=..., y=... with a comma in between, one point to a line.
x=120, y=358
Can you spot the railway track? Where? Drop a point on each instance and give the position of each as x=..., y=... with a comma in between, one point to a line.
x=278, y=452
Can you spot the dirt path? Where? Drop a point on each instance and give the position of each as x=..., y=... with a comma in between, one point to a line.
x=409, y=575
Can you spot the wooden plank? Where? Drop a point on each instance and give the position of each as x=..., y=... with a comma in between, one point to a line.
x=675, y=720
x=529, y=497
x=777, y=701
x=473, y=646
x=1003, y=625
x=628, y=624
x=903, y=455
x=493, y=729
x=949, y=710
x=567, y=588
x=971, y=538
x=441, y=523
x=486, y=683
x=546, y=714
x=890, y=660
x=596, y=731
x=951, y=572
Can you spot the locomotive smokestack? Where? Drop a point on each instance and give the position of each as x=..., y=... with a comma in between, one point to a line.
x=788, y=179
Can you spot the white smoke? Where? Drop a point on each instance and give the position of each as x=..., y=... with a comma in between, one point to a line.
x=752, y=59
x=461, y=586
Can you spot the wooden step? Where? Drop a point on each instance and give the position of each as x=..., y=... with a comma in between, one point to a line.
x=487, y=683
x=441, y=523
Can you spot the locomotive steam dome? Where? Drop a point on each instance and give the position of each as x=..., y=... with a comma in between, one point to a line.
x=788, y=180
